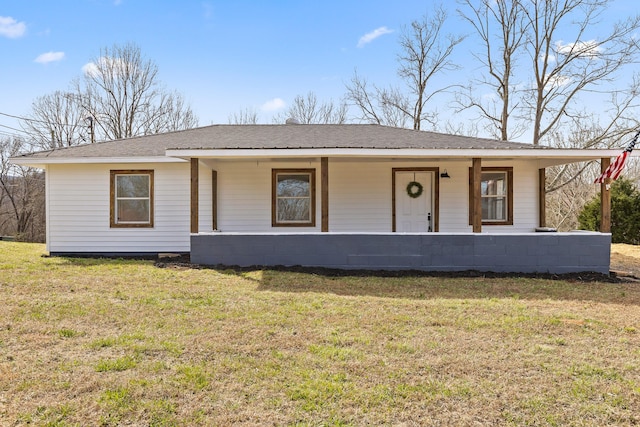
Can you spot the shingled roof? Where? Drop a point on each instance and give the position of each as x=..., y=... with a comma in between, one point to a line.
x=289, y=136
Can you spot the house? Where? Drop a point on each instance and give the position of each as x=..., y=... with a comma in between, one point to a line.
x=354, y=196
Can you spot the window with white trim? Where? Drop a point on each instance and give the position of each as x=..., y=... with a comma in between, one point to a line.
x=293, y=198
x=131, y=198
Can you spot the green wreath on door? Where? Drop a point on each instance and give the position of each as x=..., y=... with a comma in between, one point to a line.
x=414, y=189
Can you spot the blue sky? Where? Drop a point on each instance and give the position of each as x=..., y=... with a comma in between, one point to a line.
x=222, y=56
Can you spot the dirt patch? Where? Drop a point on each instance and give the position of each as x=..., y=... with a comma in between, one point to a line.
x=625, y=260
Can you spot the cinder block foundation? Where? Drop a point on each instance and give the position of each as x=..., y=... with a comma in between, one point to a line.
x=526, y=252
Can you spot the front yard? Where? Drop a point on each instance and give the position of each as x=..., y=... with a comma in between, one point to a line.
x=113, y=342
x=626, y=259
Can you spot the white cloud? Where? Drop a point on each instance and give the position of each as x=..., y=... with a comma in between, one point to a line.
x=558, y=81
x=45, y=58
x=11, y=28
x=90, y=68
x=273, y=105
x=369, y=37
x=114, y=65
x=589, y=49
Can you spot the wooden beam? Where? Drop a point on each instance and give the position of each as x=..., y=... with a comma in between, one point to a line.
x=542, y=199
x=605, y=199
x=214, y=199
x=476, y=208
x=324, y=193
x=194, y=195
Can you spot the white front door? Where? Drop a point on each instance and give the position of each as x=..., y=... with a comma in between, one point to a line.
x=414, y=214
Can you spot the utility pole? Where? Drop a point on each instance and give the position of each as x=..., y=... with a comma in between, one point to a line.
x=93, y=138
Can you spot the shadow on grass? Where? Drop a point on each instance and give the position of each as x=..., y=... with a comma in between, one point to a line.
x=594, y=287
x=466, y=286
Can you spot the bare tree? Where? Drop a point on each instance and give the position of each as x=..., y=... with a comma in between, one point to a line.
x=567, y=74
x=21, y=195
x=501, y=29
x=372, y=103
x=564, y=70
x=468, y=128
x=121, y=92
x=119, y=96
x=563, y=58
x=570, y=186
x=171, y=113
x=248, y=116
x=564, y=205
x=57, y=121
x=307, y=110
x=425, y=53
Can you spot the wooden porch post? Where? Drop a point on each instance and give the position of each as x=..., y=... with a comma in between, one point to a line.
x=324, y=193
x=194, y=195
x=542, y=199
x=605, y=199
x=476, y=209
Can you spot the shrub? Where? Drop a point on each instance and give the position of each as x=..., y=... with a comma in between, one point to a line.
x=625, y=213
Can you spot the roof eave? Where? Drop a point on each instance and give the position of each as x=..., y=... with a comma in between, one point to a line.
x=453, y=153
x=182, y=155
x=40, y=162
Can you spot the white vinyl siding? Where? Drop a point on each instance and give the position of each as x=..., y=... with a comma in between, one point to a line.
x=360, y=200
x=454, y=198
x=525, y=197
x=244, y=195
x=78, y=210
x=360, y=195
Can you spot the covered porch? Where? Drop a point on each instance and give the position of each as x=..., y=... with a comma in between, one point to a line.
x=480, y=249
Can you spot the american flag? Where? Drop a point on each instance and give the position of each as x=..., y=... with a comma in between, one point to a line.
x=614, y=169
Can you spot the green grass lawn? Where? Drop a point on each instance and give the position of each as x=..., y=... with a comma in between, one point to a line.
x=123, y=342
